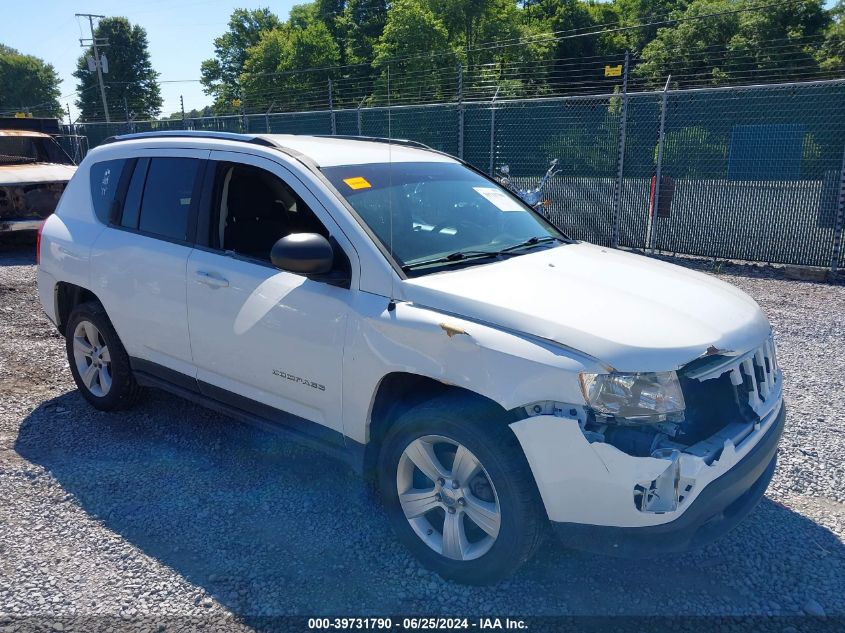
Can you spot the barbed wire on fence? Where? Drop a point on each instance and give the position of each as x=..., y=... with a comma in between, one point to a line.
x=754, y=170
x=772, y=61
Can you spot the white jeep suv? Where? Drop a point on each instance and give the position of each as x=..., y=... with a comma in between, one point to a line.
x=398, y=308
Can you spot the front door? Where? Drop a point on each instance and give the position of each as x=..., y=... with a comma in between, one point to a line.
x=264, y=339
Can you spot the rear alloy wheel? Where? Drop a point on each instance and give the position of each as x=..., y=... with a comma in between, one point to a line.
x=92, y=358
x=458, y=490
x=98, y=361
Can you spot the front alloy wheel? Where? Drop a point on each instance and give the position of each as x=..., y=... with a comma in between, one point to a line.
x=458, y=490
x=448, y=498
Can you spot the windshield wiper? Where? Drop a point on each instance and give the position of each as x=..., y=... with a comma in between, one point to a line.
x=530, y=242
x=452, y=258
x=462, y=256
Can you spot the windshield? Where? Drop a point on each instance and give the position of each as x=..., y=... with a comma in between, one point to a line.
x=443, y=214
x=18, y=150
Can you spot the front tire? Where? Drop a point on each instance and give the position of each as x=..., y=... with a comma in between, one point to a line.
x=459, y=492
x=98, y=361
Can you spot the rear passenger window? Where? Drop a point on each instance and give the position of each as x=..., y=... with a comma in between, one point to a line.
x=166, y=201
x=105, y=177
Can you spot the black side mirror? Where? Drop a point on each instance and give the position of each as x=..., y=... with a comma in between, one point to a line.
x=303, y=253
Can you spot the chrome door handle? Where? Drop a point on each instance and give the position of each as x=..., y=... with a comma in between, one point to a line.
x=211, y=279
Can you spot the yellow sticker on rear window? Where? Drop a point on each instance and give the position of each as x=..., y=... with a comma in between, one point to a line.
x=357, y=183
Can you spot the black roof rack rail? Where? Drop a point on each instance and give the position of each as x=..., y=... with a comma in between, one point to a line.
x=222, y=136
x=377, y=139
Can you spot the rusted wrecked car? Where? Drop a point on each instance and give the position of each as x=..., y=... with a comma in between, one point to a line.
x=34, y=170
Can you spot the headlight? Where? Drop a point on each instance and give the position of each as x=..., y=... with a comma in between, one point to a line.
x=639, y=398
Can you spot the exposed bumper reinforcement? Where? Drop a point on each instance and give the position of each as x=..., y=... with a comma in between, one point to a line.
x=716, y=510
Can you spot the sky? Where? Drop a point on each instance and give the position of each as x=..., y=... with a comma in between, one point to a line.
x=180, y=34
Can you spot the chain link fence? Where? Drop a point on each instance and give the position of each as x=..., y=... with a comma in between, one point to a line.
x=755, y=173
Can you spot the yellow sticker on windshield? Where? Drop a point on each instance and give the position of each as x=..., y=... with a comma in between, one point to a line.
x=357, y=183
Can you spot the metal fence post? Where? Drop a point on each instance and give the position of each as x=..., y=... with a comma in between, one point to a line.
x=460, y=110
x=358, y=112
x=837, y=227
x=623, y=124
x=267, y=115
x=389, y=130
x=331, y=109
x=74, y=142
x=652, y=225
x=493, y=130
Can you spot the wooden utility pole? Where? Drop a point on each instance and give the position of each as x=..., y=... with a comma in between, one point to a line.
x=96, y=43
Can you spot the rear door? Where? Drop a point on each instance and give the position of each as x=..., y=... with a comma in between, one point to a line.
x=138, y=263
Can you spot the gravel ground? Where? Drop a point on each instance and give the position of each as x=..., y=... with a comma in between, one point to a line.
x=172, y=510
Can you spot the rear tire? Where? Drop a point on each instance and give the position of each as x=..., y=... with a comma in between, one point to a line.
x=472, y=512
x=98, y=361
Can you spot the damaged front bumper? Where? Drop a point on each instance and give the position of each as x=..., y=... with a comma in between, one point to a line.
x=720, y=506
x=590, y=490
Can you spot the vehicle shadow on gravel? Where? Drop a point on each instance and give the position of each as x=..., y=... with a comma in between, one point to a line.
x=268, y=528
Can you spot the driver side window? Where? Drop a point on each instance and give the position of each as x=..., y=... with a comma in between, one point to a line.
x=254, y=208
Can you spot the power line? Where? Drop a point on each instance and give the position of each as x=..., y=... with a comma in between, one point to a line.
x=556, y=36
x=534, y=77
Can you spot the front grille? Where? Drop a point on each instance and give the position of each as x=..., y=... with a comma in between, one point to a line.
x=721, y=390
x=758, y=374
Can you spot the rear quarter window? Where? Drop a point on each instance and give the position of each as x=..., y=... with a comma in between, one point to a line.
x=105, y=177
x=134, y=193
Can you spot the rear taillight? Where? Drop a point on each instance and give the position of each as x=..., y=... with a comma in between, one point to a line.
x=38, y=244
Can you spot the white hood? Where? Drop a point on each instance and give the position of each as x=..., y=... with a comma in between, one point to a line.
x=35, y=173
x=632, y=312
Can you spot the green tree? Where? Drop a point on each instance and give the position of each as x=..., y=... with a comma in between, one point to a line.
x=575, y=56
x=130, y=82
x=832, y=54
x=778, y=43
x=28, y=84
x=519, y=67
x=504, y=49
x=365, y=22
x=207, y=111
x=415, y=46
x=220, y=75
x=634, y=12
x=303, y=15
x=694, y=47
x=730, y=46
x=471, y=23
x=289, y=67
x=332, y=13
x=608, y=42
